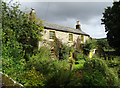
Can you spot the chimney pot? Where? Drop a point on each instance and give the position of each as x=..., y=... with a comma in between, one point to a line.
x=78, y=22
x=33, y=11
x=32, y=15
x=78, y=25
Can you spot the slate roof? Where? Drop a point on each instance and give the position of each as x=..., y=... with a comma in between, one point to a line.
x=56, y=27
x=63, y=28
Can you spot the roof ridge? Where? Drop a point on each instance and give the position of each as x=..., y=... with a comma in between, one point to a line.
x=59, y=25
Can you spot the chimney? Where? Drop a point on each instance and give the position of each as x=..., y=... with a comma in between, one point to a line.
x=32, y=15
x=78, y=25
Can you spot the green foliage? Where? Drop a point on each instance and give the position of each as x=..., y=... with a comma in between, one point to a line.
x=100, y=45
x=79, y=64
x=90, y=44
x=12, y=49
x=96, y=73
x=62, y=51
x=20, y=35
x=61, y=76
x=41, y=61
x=76, y=79
x=55, y=71
x=20, y=72
x=112, y=64
x=111, y=18
x=38, y=80
x=104, y=44
x=119, y=71
x=43, y=53
x=96, y=79
x=78, y=55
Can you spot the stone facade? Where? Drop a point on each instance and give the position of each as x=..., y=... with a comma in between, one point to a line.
x=66, y=35
x=62, y=36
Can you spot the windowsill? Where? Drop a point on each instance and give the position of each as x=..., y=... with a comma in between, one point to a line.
x=70, y=41
x=51, y=39
x=82, y=42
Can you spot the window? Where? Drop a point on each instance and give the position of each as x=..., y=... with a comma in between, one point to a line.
x=52, y=35
x=52, y=52
x=70, y=37
x=82, y=38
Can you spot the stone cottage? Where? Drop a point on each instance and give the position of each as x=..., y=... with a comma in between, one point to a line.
x=66, y=35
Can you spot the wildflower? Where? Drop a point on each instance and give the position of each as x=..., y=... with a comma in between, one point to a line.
x=32, y=66
x=79, y=75
x=3, y=62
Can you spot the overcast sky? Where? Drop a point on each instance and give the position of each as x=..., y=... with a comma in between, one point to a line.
x=67, y=13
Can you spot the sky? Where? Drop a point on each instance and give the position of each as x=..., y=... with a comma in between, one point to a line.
x=67, y=13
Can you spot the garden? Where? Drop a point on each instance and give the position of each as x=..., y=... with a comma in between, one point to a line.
x=70, y=67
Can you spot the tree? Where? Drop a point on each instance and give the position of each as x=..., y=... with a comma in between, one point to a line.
x=19, y=33
x=111, y=19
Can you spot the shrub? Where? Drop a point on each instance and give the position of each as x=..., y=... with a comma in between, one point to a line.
x=33, y=79
x=96, y=73
x=95, y=79
x=42, y=65
x=78, y=55
x=76, y=78
x=60, y=77
x=12, y=49
x=64, y=52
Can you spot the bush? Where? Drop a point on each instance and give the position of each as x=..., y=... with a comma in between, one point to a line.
x=76, y=78
x=95, y=79
x=61, y=76
x=96, y=73
x=62, y=51
x=33, y=79
x=79, y=55
x=41, y=61
x=17, y=70
x=12, y=49
x=90, y=44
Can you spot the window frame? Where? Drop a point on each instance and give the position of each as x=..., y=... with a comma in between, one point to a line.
x=70, y=37
x=52, y=51
x=82, y=38
x=52, y=36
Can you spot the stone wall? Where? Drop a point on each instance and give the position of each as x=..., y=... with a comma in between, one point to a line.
x=62, y=36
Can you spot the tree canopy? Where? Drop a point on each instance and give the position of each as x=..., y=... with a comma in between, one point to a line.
x=19, y=35
x=111, y=19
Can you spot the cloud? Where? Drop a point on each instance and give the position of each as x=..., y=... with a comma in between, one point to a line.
x=67, y=13
x=95, y=31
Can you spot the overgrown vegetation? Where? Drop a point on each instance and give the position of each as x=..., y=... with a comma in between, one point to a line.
x=111, y=21
x=19, y=32
x=37, y=68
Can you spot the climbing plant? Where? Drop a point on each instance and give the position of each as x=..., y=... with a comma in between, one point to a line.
x=19, y=33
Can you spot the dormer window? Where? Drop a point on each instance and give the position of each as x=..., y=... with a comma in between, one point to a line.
x=70, y=37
